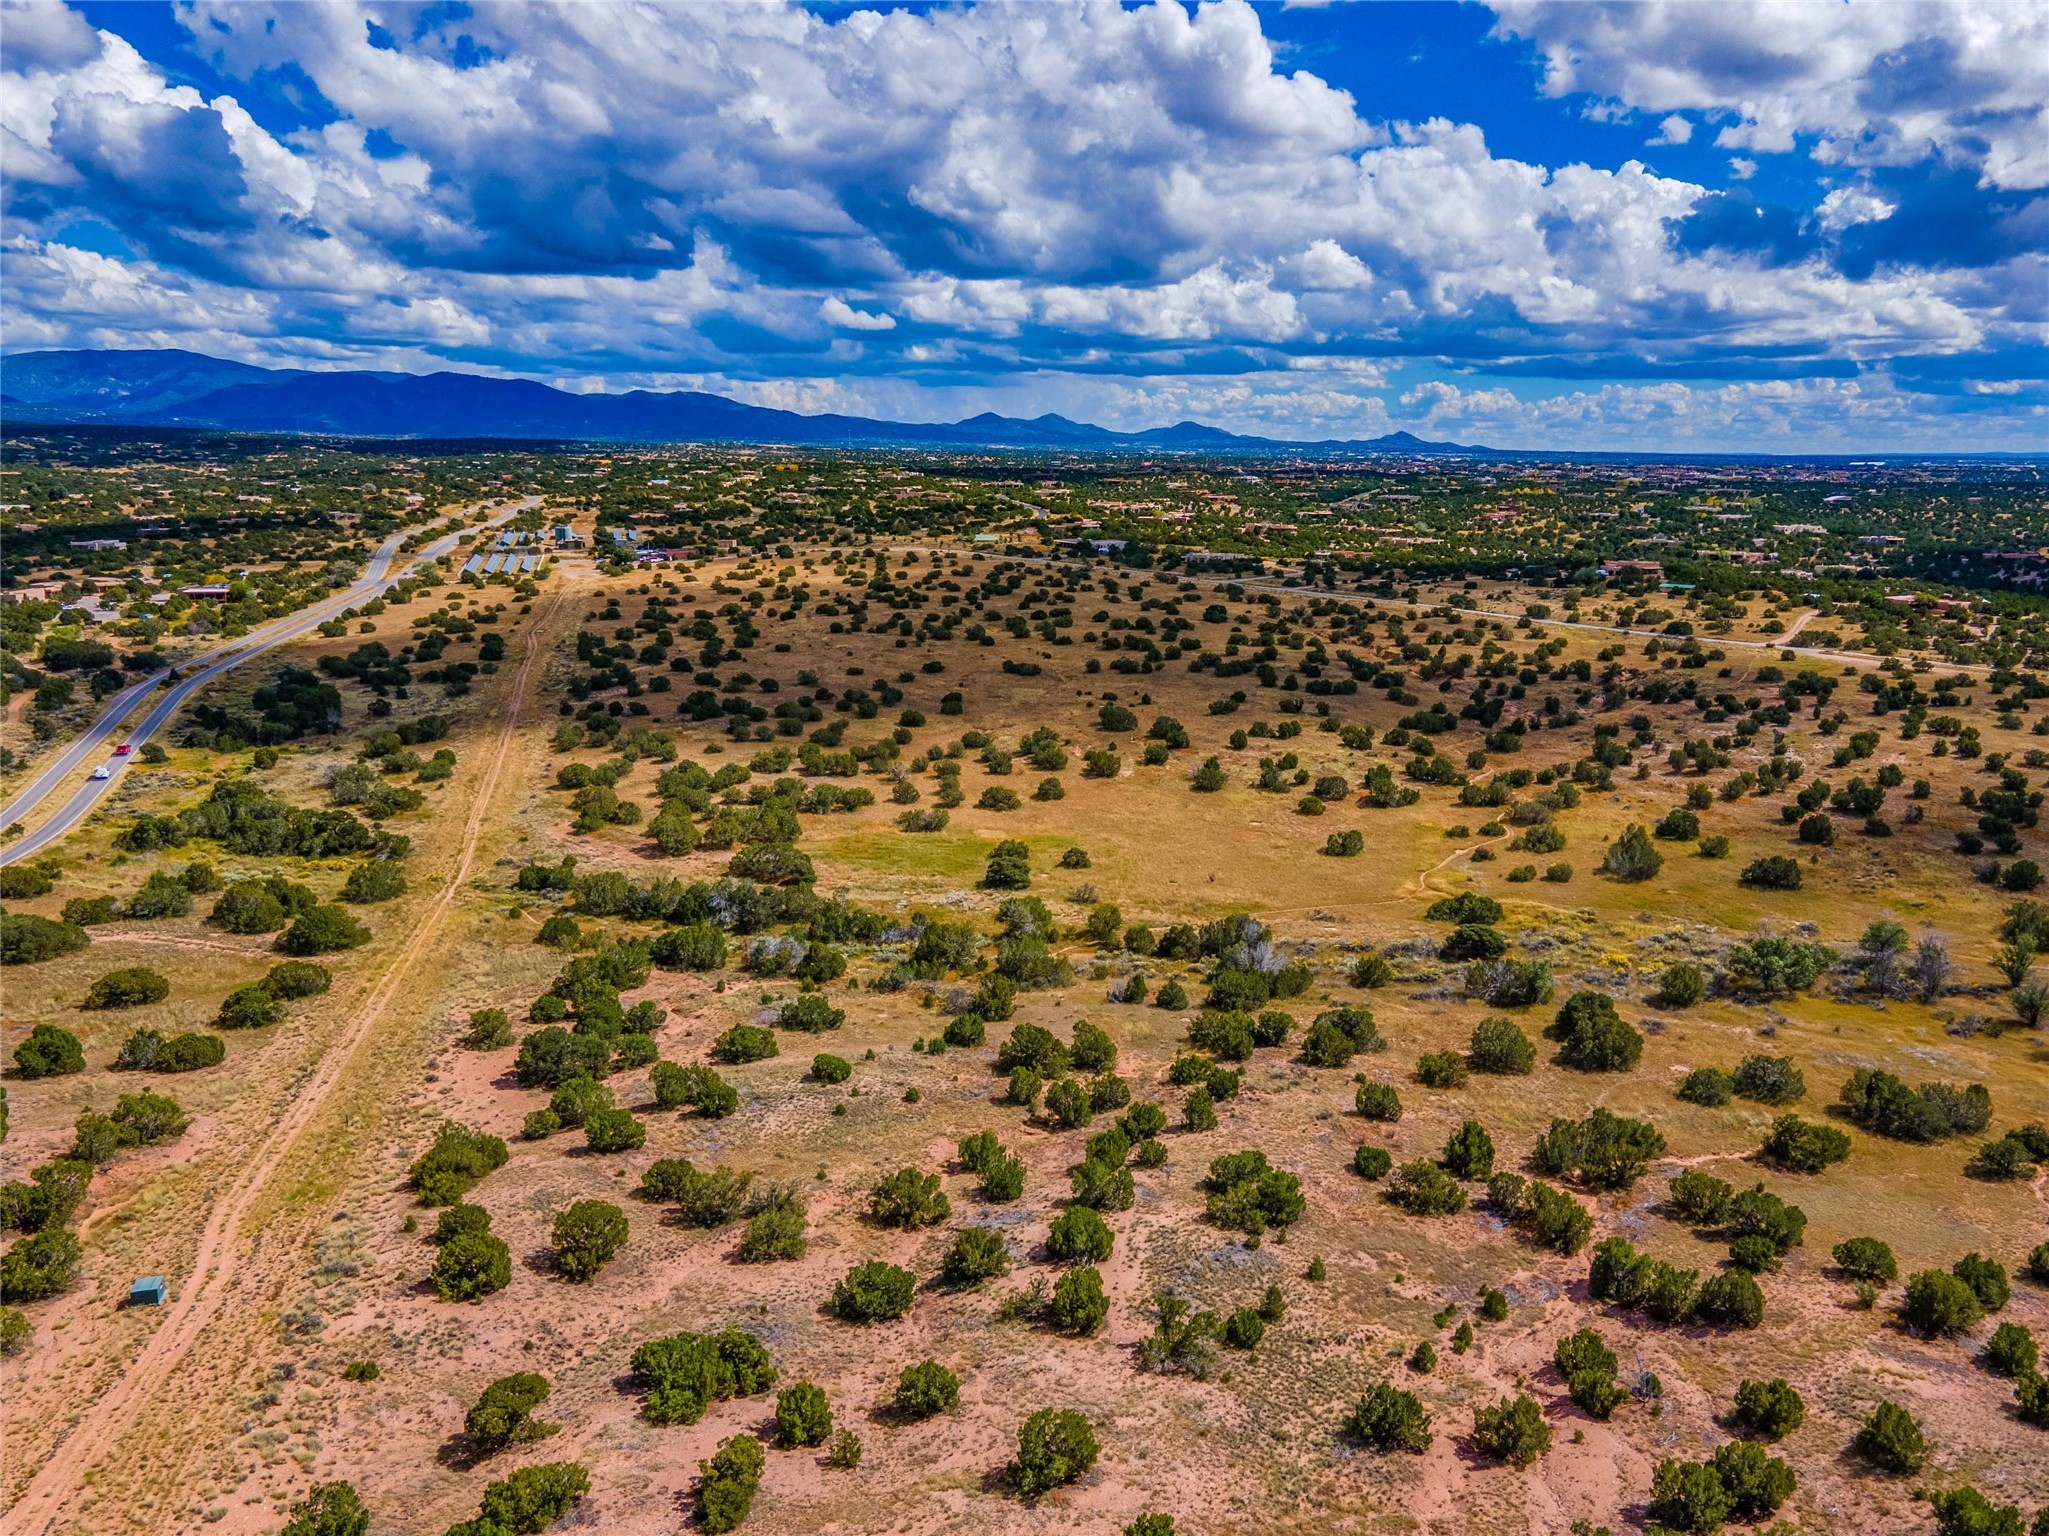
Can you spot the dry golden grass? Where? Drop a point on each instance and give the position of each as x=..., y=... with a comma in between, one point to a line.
x=332, y=1274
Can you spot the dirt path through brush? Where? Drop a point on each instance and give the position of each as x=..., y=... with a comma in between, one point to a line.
x=48, y=1500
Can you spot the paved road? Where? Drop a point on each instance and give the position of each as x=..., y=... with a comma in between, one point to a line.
x=377, y=576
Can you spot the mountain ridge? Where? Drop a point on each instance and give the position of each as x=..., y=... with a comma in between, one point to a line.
x=169, y=387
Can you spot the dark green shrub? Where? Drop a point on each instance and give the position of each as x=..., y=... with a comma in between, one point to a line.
x=1710, y=1086
x=1986, y=1278
x=685, y=1373
x=329, y=1509
x=49, y=1051
x=1605, y=1150
x=744, y=1043
x=873, y=1292
x=576, y=1099
x=1631, y=858
x=1378, y=1101
x=26, y=939
x=1441, y=1069
x=1773, y=872
x=249, y=1007
x=831, y=1069
x=586, y=1235
x=1244, y=1328
x=926, y=1389
x=727, y=1483
x=503, y=1414
x=1866, y=1258
x=1078, y=1304
x=1079, y=1236
x=1247, y=1195
x=460, y=1221
x=1472, y=941
x=130, y=987
x=1891, y=1440
x=1701, y=1198
x=1588, y=1366
x=810, y=1013
x=52, y=1193
x=1769, y=1080
x=1387, y=1419
x=2011, y=1351
x=40, y=1266
x=967, y=1031
x=908, y=1199
x=1800, y=1146
x=1469, y=1154
x=1466, y=907
x=1512, y=1430
x=322, y=931
x=531, y=1499
x=470, y=1267
x=690, y=947
x=1681, y=984
x=802, y=1416
x=489, y=1029
x=1371, y=1162
x=1593, y=1037
x=1031, y=1047
x=1759, y=1212
x=1884, y=1105
x=976, y=1254
x=379, y=880
x=1067, y=1102
x=1424, y=1189
x=1689, y=1496
x=701, y=1198
x=776, y=1229
x=1054, y=1446
x=190, y=1053
x=455, y=1163
x=1499, y=1046
x=1731, y=1298
x=1769, y=1410
x=1938, y=1305
x=1967, y=1512
x=1759, y=1255
x=1010, y=863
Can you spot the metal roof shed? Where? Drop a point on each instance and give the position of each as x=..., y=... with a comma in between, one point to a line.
x=149, y=1291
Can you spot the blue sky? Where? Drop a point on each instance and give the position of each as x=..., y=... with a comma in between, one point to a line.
x=1808, y=226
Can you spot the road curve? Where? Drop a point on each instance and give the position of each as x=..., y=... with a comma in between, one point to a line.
x=377, y=577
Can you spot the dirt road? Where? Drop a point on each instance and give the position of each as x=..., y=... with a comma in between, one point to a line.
x=49, y=1501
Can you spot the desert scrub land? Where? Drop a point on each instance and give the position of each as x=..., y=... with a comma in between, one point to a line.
x=889, y=1035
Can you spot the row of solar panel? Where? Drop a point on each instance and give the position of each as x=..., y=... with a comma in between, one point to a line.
x=509, y=564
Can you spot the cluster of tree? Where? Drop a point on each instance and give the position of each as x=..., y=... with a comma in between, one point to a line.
x=260, y=1003
x=1638, y=1282
x=1247, y=1194
x=45, y=1263
x=683, y=1374
x=1885, y=1106
x=456, y=1163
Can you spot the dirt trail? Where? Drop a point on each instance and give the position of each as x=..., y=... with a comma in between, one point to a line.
x=1421, y=884
x=48, y=1500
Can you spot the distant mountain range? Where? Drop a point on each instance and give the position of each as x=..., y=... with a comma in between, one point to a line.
x=187, y=389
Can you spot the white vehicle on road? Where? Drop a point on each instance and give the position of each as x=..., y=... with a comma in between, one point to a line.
x=104, y=771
